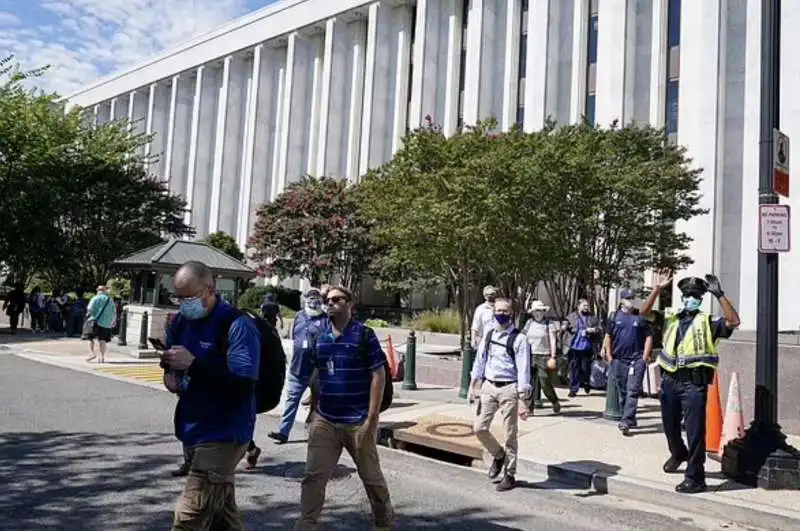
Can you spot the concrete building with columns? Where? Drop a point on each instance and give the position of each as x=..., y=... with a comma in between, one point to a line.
x=330, y=87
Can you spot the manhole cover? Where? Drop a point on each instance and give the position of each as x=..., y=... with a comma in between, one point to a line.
x=296, y=471
x=451, y=430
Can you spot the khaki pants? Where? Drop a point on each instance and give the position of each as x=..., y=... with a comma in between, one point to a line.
x=504, y=399
x=325, y=443
x=208, y=502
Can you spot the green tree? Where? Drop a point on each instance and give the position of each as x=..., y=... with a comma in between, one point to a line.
x=224, y=242
x=73, y=197
x=314, y=229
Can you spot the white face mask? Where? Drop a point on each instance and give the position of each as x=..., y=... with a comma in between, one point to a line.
x=538, y=315
x=627, y=304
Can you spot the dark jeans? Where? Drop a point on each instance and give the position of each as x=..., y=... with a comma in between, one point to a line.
x=13, y=320
x=580, y=367
x=681, y=396
x=74, y=325
x=629, y=375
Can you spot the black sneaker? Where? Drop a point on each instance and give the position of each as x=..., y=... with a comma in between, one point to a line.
x=587, y=389
x=690, y=486
x=252, y=458
x=182, y=470
x=556, y=408
x=497, y=466
x=507, y=483
x=572, y=394
x=624, y=429
x=279, y=438
x=672, y=464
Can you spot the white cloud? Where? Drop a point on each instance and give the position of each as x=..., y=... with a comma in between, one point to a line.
x=8, y=19
x=87, y=39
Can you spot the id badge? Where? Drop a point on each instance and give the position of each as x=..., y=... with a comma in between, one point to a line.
x=630, y=371
x=305, y=344
x=331, y=369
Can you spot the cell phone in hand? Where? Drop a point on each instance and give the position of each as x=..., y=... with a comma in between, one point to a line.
x=157, y=343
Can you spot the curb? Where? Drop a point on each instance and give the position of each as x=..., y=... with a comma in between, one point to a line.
x=707, y=503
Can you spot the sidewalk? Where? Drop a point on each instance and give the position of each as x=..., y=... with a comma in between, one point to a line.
x=577, y=447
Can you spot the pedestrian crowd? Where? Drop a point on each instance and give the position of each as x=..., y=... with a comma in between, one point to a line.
x=227, y=365
x=681, y=345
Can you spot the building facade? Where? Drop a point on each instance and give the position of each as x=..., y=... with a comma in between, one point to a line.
x=330, y=87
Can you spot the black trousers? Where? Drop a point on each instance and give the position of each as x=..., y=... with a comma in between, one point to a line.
x=685, y=394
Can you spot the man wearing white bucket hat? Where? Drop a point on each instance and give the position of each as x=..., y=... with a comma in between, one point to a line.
x=541, y=335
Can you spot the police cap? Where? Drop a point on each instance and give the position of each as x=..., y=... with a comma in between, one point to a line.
x=694, y=286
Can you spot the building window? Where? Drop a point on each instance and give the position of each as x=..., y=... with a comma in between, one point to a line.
x=523, y=62
x=462, y=71
x=673, y=69
x=591, y=62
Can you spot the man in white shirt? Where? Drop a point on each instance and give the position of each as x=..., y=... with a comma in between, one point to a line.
x=501, y=380
x=483, y=318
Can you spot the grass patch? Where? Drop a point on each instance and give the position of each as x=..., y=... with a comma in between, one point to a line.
x=441, y=321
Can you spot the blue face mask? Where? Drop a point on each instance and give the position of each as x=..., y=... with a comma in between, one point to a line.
x=502, y=319
x=691, y=304
x=193, y=309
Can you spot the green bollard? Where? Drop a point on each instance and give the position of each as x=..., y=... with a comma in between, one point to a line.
x=143, y=333
x=467, y=359
x=612, y=411
x=123, y=329
x=410, y=361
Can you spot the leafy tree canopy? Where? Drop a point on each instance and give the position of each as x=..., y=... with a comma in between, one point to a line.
x=314, y=230
x=73, y=196
x=224, y=242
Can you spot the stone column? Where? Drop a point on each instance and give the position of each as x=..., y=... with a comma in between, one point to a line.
x=511, y=65
x=580, y=44
x=193, y=137
x=536, y=76
x=611, y=64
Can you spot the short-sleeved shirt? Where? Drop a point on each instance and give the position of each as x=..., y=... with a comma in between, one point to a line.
x=203, y=416
x=103, y=310
x=483, y=319
x=538, y=334
x=628, y=332
x=345, y=377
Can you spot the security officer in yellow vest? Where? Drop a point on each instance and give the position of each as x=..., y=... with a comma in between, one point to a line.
x=687, y=362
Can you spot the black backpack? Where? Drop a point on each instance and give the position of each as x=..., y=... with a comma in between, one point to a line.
x=363, y=353
x=272, y=363
x=512, y=336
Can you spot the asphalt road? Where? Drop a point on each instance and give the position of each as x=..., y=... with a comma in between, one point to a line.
x=83, y=452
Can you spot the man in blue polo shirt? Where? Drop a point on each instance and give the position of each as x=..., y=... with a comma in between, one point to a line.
x=215, y=383
x=628, y=345
x=350, y=363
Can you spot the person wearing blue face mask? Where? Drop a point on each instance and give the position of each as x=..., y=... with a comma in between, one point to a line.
x=501, y=381
x=688, y=361
x=310, y=319
x=215, y=380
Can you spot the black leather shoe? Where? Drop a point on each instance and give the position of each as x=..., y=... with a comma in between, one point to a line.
x=497, y=466
x=507, y=483
x=672, y=464
x=183, y=470
x=279, y=438
x=690, y=486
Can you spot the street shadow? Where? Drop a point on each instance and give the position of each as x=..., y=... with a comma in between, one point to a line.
x=401, y=404
x=26, y=336
x=60, y=480
x=728, y=485
x=295, y=470
x=584, y=473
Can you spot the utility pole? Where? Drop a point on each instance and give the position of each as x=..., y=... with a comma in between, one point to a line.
x=762, y=457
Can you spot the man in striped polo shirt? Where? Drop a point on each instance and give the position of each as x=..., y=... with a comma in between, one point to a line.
x=350, y=363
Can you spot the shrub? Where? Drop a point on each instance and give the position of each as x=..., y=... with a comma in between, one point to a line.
x=442, y=321
x=376, y=323
x=253, y=296
x=287, y=313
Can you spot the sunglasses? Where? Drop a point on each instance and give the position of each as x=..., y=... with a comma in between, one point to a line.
x=335, y=299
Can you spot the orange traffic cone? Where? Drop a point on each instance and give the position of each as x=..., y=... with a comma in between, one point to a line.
x=713, y=417
x=391, y=358
x=733, y=427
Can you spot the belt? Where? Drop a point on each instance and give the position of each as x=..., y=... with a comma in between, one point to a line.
x=500, y=384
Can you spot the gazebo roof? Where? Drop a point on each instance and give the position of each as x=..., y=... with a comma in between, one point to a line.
x=168, y=257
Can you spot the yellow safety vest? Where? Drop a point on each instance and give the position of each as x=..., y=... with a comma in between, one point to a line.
x=697, y=348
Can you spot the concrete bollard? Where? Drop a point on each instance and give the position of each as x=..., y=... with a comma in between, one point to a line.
x=143, y=333
x=410, y=363
x=123, y=329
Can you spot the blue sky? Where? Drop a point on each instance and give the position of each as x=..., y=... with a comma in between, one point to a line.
x=83, y=40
